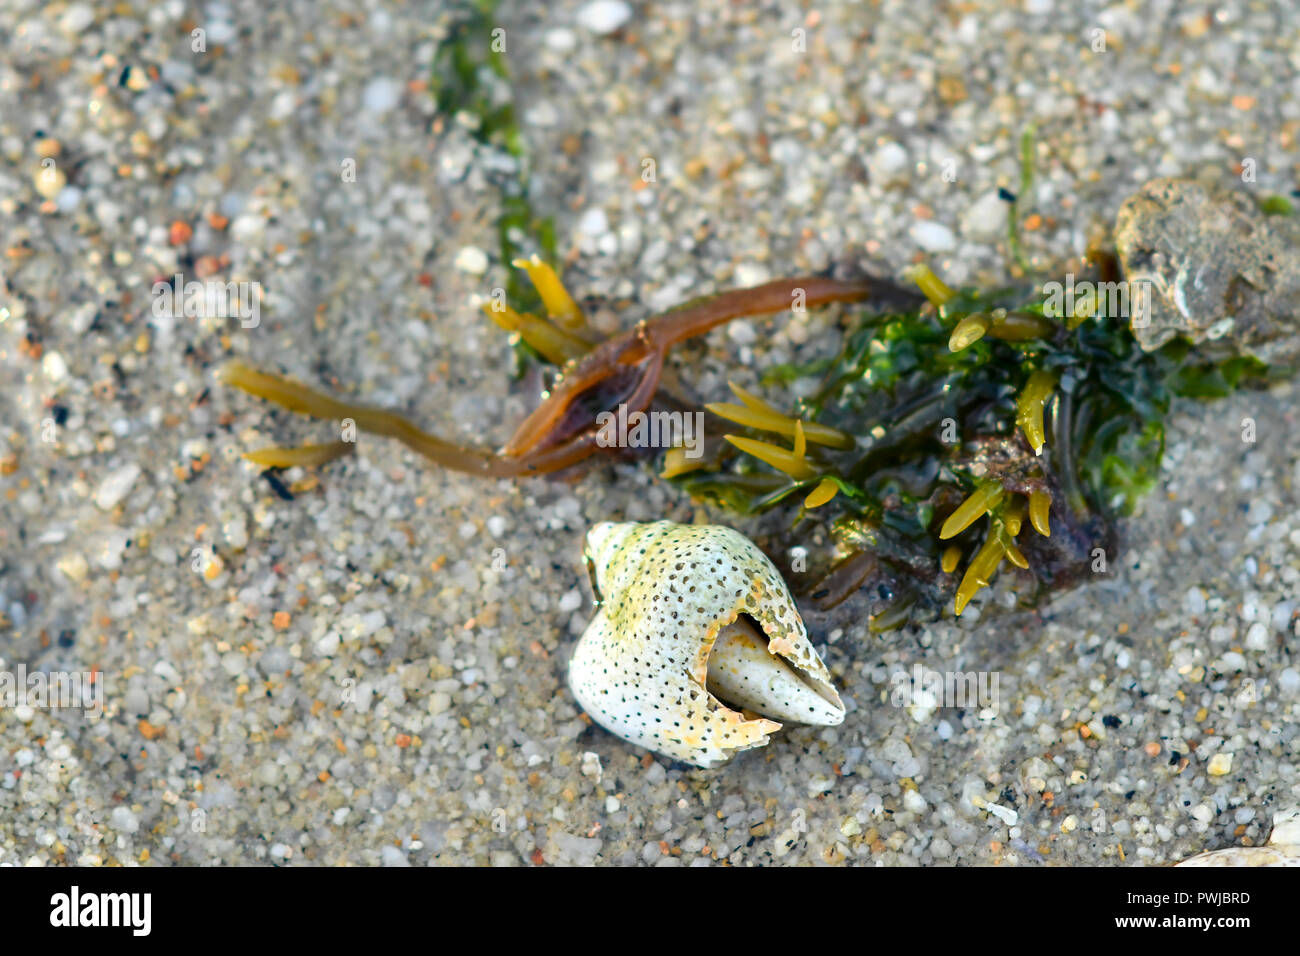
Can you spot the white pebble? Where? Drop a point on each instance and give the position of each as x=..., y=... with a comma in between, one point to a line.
x=1220, y=765
x=593, y=223
x=888, y=164
x=560, y=40
x=1231, y=662
x=116, y=485
x=570, y=601
x=932, y=236
x=604, y=16
x=77, y=18
x=123, y=820
x=1005, y=814
x=55, y=368
x=986, y=218
x=1257, y=637
x=393, y=856
x=742, y=333
x=473, y=260
x=381, y=95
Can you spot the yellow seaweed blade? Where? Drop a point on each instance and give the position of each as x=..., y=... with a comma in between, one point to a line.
x=305, y=456
x=934, y=288
x=1015, y=555
x=757, y=413
x=1013, y=516
x=979, y=573
x=948, y=560
x=1040, y=506
x=824, y=492
x=796, y=466
x=971, y=510
x=800, y=441
x=1019, y=326
x=676, y=463
x=968, y=331
x=752, y=401
x=559, y=304
x=550, y=341
x=283, y=391
x=752, y=418
x=1029, y=408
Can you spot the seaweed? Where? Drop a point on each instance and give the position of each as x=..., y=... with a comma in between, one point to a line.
x=954, y=431
x=469, y=67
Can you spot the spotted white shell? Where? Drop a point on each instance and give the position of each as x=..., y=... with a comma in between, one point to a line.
x=667, y=591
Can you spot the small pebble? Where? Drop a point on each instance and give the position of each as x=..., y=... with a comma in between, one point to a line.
x=116, y=485
x=1220, y=765
x=932, y=236
x=77, y=18
x=381, y=95
x=604, y=16
x=472, y=260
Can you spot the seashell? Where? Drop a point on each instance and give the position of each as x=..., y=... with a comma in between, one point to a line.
x=690, y=616
x=1282, y=849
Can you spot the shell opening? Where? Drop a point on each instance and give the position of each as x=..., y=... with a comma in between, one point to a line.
x=744, y=673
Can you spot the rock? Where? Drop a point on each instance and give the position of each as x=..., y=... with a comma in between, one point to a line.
x=1216, y=267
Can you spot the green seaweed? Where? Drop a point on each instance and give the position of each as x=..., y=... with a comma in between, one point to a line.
x=464, y=66
x=1276, y=206
x=1014, y=246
